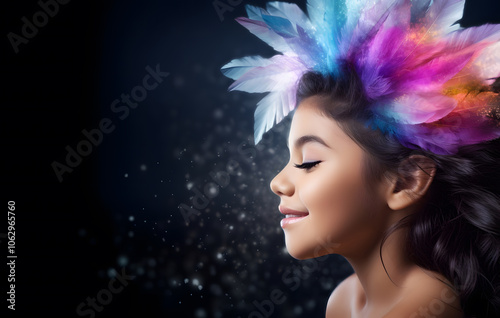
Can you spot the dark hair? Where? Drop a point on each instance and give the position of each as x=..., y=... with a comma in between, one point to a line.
x=457, y=231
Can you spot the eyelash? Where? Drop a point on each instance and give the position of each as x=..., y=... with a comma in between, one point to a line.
x=307, y=165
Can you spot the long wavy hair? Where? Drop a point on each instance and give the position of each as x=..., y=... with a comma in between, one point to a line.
x=457, y=231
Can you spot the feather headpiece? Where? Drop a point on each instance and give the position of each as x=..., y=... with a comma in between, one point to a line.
x=426, y=78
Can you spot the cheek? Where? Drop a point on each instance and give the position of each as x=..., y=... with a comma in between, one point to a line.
x=333, y=186
x=337, y=201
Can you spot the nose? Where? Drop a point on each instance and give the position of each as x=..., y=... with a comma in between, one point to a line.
x=281, y=184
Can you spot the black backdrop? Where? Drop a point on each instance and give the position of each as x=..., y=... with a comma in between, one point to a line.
x=120, y=227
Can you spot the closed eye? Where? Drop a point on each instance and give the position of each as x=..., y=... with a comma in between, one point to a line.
x=307, y=165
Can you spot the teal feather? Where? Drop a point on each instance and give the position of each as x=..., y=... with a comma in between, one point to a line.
x=329, y=17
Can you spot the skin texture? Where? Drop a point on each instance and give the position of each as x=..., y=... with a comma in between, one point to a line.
x=349, y=218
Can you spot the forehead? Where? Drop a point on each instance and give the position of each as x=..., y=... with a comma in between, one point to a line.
x=309, y=120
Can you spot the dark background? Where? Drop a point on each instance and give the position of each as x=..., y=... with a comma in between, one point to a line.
x=118, y=210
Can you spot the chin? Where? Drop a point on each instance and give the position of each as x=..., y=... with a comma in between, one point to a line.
x=300, y=253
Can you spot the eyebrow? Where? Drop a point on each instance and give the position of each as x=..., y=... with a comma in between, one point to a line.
x=308, y=138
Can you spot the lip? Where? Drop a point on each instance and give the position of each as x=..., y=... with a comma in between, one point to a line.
x=298, y=216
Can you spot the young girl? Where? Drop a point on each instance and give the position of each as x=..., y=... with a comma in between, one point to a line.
x=394, y=150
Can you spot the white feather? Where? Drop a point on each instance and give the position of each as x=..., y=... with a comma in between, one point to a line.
x=278, y=75
x=462, y=39
x=291, y=12
x=271, y=110
x=443, y=14
x=487, y=64
x=236, y=68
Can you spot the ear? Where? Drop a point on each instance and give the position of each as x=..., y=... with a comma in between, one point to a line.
x=411, y=182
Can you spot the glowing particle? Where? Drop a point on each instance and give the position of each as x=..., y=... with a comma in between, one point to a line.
x=122, y=260
x=111, y=272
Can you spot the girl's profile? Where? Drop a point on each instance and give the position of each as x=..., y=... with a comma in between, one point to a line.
x=394, y=149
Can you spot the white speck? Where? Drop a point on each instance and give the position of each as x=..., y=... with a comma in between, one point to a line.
x=131, y=218
x=126, y=175
x=186, y=280
x=144, y=168
x=213, y=190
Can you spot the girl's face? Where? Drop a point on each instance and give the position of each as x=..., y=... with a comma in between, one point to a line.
x=339, y=212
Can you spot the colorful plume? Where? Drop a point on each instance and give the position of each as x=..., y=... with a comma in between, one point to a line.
x=427, y=78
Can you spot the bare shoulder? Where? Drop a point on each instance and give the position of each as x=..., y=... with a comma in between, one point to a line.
x=427, y=294
x=339, y=301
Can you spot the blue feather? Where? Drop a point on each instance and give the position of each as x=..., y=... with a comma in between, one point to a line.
x=291, y=12
x=255, y=13
x=280, y=25
x=329, y=17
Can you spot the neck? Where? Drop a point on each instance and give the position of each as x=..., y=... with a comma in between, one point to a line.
x=377, y=287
